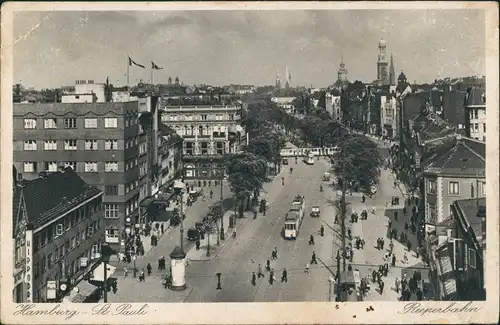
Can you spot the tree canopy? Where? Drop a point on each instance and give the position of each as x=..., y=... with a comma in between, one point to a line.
x=358, y=161
x=247, y=173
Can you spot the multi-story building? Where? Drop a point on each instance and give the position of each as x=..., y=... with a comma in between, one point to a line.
x=475, y=113
x=333, y=106
x=209, y=131
x=457, y=249
x=453, y=174
x=105, y=143
x=388, y=116
x=58, y=230
x=169, y=156
x=285, y=103
x=85, y=91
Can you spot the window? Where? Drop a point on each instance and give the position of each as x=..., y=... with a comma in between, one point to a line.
x=431, y=186
x=231, y=117
x=50, y=260
x=30, y=123
x=50, y=145
x=70, y=145
x=111, y=235
x=453, y=188
x=458, y=254
x=476, y=113
x=204, y=117
x=482, y=189
x=111, y=211
x=111, y=122
x=476, y=127
x=111, y=145
x=51, y=166
x=111, y=190
x=431, y=213
x=90, y=123
x=30, y=167
x=50, y=123
x=90, y=144
x=73, y=242
x=111, y=166
x=70, y=123
x=59, y=229
x=71, y=164
x=484, y=127
x=30, y=145
x=472, y=258
x=91, y=167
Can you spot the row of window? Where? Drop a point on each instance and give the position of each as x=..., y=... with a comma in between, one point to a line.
x=131, y=186
x=31, y=145
x=52, y=166
x=454, y=187
x=202, y=117
x=46, y=262
x=48, y=234
x=70, y=123
x=207, y=130
x=474, y=114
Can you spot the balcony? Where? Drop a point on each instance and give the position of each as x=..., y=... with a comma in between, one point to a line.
x=214, y=156
x=201, y=108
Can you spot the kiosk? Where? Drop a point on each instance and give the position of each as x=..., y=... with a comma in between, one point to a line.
x=178, y=269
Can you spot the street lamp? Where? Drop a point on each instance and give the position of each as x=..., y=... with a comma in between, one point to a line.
x=134, y=257
x=105, y=255
x=179, y=190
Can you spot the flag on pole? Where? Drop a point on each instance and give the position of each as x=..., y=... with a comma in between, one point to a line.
x=130, y=62
x=154, y=66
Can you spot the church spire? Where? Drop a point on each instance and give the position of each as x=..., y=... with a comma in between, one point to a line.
x=392, y=74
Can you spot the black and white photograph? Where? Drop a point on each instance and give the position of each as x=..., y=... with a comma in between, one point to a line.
x=218, y=153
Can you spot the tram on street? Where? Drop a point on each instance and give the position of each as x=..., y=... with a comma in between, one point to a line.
x=309, y=159
x=294, y=217
x=293, y=221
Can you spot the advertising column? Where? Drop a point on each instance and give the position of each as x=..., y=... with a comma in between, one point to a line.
x=29, y=263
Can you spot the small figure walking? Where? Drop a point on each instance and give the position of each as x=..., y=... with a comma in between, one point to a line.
x=284, y=276
x=268, y=265
x=311, y=240
x=148, y=267
x=142, y=276
x=363, y=198
x=271, y=277
x=397, y=284
x=259, y=271
x=125, y=271
x=253, y=278
x=162, y=227
x=313, y=258
x=322, y=231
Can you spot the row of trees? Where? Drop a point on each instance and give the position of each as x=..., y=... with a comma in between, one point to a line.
x=248, y=171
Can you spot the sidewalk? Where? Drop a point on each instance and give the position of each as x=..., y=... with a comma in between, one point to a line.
x=201, y=254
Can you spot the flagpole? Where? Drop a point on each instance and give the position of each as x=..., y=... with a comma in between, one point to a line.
x=128, y=70
x=151, y=74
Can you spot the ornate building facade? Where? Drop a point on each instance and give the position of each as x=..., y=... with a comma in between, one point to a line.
x=210, y=133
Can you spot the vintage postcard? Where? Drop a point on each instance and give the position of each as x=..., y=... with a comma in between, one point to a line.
x=249, y=163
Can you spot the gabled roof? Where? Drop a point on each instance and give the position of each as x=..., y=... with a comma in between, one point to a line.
x=49, y=197
x=465, y=157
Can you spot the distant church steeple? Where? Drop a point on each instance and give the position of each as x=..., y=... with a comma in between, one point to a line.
x=392, y=74
x=169, y=80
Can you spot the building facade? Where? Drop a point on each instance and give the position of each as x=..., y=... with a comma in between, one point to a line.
x=58, y=230
x=169, y=157
x=209, y=133
x=453, y=174
x=103, y=142
x=475, y=113
x=388, y=116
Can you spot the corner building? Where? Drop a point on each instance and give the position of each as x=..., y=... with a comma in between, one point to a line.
x=103, y=142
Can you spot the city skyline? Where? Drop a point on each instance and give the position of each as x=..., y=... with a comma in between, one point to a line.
x=244, y=47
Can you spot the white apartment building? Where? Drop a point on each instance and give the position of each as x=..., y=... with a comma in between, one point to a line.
x=388, y=116
x=475, y=113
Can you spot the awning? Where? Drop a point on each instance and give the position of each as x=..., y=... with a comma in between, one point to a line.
x=80, y=292
x=146, y=202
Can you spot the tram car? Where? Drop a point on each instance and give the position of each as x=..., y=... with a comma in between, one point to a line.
x=293, y=220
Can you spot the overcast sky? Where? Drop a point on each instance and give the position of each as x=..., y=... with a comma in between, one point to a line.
x=244, y=47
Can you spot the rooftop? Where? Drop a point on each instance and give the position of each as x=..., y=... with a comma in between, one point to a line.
x=473, y=211
x=48, y=197
x=461, y=155
x=475, y=97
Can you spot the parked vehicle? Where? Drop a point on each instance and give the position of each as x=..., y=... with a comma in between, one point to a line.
x=315, y=211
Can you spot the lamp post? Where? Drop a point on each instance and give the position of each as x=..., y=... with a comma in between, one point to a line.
x=208, y=241
x=179, y=190
x=105, y=255
x=221, y=203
